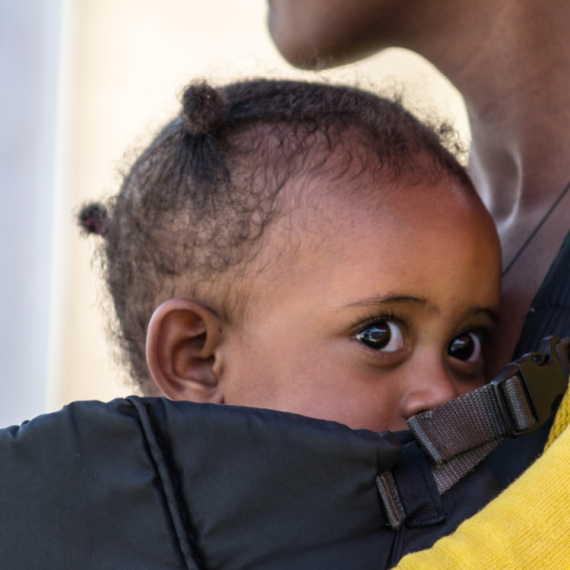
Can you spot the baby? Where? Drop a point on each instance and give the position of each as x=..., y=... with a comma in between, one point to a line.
x=301, y=247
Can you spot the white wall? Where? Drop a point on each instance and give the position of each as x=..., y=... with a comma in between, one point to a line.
x=31, y=72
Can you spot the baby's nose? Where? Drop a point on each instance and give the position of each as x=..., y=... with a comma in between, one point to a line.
x=429, y=390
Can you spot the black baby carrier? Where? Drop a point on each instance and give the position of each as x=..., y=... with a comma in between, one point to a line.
x=146, y=483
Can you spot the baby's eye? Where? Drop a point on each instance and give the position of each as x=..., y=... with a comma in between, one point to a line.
x=466, y=347
x=386, y=336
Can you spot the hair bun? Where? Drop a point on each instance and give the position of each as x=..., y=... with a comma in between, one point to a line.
x=94, y=219
x=203, y=109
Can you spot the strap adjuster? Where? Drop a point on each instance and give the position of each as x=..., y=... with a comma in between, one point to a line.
x=543, y=379
x=459, y=434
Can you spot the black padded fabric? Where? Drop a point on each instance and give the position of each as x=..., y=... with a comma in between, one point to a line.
x=550, y=310
x=549, y=315
x=79, y=490
x=147, y=483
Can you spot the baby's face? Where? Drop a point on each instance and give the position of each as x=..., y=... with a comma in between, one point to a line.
x=368, y=311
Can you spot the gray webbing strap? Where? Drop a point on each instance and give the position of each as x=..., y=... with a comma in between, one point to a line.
x=470, y=421
x=458, y=435
x=447, y=474
x=391, y=498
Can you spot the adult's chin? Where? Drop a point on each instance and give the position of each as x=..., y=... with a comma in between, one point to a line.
x=317, y=34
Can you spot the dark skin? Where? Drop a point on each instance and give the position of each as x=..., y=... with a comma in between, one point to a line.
x=511, y=62
x=349, y=317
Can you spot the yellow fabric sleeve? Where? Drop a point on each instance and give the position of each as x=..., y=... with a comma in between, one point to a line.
x=527, y=526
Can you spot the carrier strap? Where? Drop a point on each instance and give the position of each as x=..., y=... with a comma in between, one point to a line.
x=458, y=435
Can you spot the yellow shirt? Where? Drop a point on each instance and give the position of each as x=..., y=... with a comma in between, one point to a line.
x=527, y=526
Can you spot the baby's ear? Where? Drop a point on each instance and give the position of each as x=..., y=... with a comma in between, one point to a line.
x=181, y=344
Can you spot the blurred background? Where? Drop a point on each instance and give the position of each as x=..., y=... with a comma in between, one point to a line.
x=84, y=84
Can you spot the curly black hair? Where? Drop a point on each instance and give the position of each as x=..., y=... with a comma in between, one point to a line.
x=197, y=200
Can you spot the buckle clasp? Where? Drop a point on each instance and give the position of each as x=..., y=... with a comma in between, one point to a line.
x=543, y=375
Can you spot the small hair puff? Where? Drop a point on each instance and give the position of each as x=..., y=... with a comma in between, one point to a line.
x=94, y=219
x=203, y=109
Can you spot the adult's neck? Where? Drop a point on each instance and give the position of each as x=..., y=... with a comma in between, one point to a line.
x=512, y=65
x=511, y=62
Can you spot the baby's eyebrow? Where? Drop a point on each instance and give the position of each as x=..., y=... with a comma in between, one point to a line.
x=390, y=299
x=399, y=299
x=492, y=313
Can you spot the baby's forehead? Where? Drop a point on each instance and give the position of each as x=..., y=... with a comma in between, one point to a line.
x=337, y=192
x=327, y=212
x=432, y=242
x=361, y=230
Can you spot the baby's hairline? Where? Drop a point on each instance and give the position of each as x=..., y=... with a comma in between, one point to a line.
x=228, y=293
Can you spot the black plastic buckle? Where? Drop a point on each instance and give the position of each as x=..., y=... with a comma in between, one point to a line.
x=544, y=379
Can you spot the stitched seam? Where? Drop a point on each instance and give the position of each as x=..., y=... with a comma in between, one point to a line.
x=186, y=541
